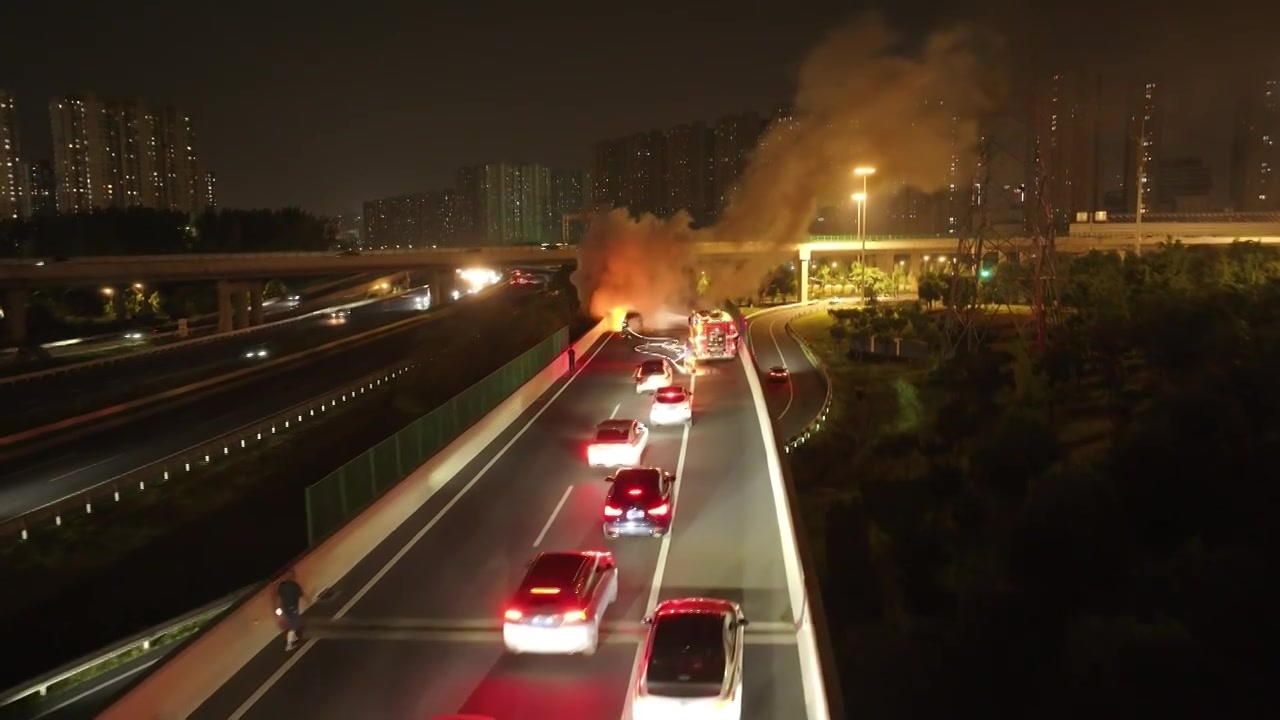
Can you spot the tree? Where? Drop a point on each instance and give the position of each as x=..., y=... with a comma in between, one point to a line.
x=275, y=288
x=930, y=288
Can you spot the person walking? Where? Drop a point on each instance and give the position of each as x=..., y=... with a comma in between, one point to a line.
x=290, y=595
x=573, y=360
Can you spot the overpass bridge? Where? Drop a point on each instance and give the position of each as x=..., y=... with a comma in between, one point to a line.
x=238, y=274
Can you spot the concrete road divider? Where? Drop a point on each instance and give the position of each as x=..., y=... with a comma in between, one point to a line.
x=818, y=677
x=178, y=686
x=176, y=466
x=97, y=417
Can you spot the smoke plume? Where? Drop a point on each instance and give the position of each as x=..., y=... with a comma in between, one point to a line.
x=859, y=101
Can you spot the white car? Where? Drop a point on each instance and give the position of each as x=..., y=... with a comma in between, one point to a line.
x=652, y=374
x=618, y=443
x=692, y=662
x=560, y=604
x=672, y=405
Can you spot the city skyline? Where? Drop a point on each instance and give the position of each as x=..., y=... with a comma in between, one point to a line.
x=325, y=130
x=104, y=153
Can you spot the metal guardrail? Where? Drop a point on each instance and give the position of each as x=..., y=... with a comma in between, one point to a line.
x=148, y=641
x=120, y=335
x=816, y=424
x=195, y=457
x=181, y=345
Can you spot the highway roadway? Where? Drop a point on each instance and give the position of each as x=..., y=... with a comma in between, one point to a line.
x=41, y=477
x=799, y=401
x=414, y=630
x=36, y=402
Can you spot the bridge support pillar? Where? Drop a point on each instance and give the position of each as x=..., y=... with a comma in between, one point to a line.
x=119, y=305
x=15, y=316
x=240, y=303
x=441, y=283
x=802, y=273
x=226, y=310
x=256, y=314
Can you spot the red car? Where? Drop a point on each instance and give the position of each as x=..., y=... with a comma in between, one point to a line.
x=778, y=374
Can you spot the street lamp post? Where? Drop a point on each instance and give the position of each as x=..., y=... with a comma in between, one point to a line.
x=861, y=198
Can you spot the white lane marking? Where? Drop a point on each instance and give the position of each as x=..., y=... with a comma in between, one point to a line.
x=791, y=390
x=552, y=519
x=616, y=408
x=663, y=551
x=307, y=645
x=79, y=470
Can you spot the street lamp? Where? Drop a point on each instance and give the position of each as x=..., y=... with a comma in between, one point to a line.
x=864, y=172
x=861, y=199
x=108, y=291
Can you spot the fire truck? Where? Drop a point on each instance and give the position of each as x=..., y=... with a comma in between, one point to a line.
x=713, y=334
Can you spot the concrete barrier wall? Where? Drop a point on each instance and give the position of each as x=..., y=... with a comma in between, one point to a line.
x=174, y=689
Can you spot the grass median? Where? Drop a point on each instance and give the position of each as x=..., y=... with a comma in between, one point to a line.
x=132, y=565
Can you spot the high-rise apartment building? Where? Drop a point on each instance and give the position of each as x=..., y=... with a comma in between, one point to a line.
x=690, y=161
x=13, y=198
x=1255, y=151
x=124, y=154
x=505, y=204
x=396, y=222
x=210, y=190
x=1143, y=147
x=735, y=138
x=43, y=188
x=1185, y=184
x=1066, y=142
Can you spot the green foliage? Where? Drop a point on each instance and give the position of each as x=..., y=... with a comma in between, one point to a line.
x=910, y=409
x=1066, y=575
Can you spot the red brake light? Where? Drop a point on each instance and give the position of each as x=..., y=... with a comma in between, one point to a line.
x=635, y=491
x=660, y=510
x=610, y=511
x=513, y=615
x=544, y=591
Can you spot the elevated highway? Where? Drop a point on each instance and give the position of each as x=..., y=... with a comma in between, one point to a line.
x=17, y=277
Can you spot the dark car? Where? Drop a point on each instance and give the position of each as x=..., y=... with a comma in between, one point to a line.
x=692, y=660
x=778, y=374
x=639, y=504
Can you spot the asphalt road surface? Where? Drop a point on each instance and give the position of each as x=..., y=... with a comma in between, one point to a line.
x=48, y=475
x=795, y=403
x=414, y=630
x=36, y=402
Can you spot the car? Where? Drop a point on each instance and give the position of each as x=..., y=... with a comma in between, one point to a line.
x=618, y=443
x=692, y=661
x=557, y=609
x=652, y=374
x=640, y=502
x=672, y=405
x=258, y=352
x=779, y=374
x=339, y=316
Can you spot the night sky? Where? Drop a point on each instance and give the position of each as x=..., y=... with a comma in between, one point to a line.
x=323, y=105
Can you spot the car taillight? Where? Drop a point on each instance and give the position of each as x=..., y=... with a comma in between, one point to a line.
x=660, y=510
x=633, y=492
x=513, y=615
x=610, y=511
x=575, y=616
